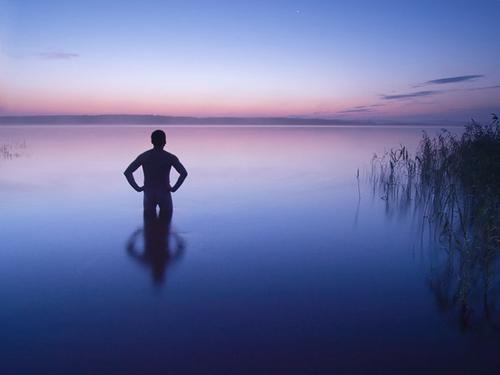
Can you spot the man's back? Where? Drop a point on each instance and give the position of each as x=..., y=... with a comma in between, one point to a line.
x=156, y=165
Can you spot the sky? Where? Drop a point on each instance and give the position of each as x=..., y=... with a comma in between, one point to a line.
x=353, y=59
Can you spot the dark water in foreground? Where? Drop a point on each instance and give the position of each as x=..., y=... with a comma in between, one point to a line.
x=275, y=263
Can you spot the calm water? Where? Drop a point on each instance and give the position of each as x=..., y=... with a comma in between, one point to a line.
x=276, y=263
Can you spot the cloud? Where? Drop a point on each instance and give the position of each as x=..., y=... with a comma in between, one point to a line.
x=356, y=110
x=484, y=88
x=411, y=95
x=58, y=55
x=442, y=81
x=361, y=108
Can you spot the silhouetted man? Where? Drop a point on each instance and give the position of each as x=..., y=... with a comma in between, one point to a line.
x=156, y=164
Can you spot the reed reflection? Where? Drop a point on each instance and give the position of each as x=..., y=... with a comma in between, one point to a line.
x=161, y=248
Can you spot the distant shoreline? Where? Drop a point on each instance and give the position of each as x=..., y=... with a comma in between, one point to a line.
x=146, y=120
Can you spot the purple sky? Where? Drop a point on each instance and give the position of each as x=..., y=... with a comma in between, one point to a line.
x=344, y=59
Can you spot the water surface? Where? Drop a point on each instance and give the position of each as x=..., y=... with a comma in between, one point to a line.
x=277, y=262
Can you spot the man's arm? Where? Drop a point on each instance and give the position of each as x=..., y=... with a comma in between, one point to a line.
x=182, y=174
x=129, y=174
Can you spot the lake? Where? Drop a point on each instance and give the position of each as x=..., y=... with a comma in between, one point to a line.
x=279, y=259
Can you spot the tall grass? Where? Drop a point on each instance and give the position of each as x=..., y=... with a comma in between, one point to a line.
x=453, y=185
x=12, y=150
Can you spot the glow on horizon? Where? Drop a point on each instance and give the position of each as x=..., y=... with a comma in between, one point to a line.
x=347, y=60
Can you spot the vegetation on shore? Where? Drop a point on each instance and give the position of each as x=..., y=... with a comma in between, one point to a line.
x=452, y=186
x=12, y=150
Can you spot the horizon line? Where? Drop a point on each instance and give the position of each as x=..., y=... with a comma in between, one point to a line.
x=154, y=119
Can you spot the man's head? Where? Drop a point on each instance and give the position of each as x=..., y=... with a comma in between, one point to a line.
x=158, y=138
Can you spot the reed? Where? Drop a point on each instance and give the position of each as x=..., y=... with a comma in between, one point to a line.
x=452, y=184
x=10, y=151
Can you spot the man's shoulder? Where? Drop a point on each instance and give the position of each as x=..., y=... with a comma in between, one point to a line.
x=170, y=156
x=145, y=154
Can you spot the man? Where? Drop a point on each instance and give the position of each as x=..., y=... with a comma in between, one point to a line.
x=156, y=164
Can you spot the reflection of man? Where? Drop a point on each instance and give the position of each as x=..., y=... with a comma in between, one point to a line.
x=156, y=164
x=158, y=252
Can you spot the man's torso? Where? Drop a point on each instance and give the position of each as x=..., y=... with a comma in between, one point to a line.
x=156, y=165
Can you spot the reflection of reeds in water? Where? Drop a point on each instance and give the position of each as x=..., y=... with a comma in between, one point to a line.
x=9, y=151
x=452, y=186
